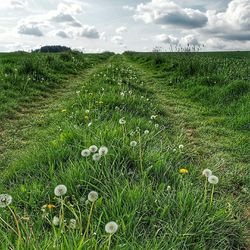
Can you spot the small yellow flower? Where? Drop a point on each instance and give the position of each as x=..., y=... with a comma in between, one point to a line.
x=50, y=206
x=63, y=110
x=183, y=171
x=86, y=117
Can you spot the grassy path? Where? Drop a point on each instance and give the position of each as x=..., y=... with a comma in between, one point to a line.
x=33, y=123
x=209, y=144
x=139, y=180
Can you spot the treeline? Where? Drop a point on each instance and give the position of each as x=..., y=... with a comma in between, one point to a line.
x=53, y=48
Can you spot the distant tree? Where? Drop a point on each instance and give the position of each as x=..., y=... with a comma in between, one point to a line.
x=53, y=49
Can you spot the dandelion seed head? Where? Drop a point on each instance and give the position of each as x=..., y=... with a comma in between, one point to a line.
x=146, y=132
x=207, y=172
x=56, y=221
x=122, y=121
x=92, y=196
x=213, y=179
x=103, y=150
x=111, y=227
x=5, y=200
x=133, y=143
x=93, y=148
x=181, y=146
x=156, y=125
x=96, y=157
x=85, y=153
x=60, y=190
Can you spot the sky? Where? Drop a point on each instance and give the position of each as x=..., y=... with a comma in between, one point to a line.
x=119, y=25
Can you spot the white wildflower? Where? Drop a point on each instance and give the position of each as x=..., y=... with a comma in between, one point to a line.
x=213, y=179
x=207, y=172
x=92, y=196
x=85, y=153
x=60, y=190
x=146, y=132
x=96, y=157
x=111, y=227
x=5, y=200
x=181, y=146
x=103, y=150
x=93, y=148
x=133, y=143
x=56, y=221
x=122, y=121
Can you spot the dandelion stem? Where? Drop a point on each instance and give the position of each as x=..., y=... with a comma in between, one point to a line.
x=8, y=225
x=205, y=190
x=62, y=214
x=109, y=242
x=17, y=224
x=140, y=153
x=89, y=218
x=212, y=195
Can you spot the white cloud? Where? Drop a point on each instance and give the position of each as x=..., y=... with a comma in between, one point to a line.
x=13, y=4
x=232, y=24
x=62, y=34
x=127, y=7
x=190, y=40
x=121, y=30
x=60, y=17
x=168, y=39
x=166, y=12
x=89, y=32
x=117, y=40
x=30, y=29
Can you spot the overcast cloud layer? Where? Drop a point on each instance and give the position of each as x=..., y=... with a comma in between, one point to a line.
x=118, y=25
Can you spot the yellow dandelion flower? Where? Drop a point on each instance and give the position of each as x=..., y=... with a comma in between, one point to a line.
x=50, y=206
x=183, y=171
x=63, y=110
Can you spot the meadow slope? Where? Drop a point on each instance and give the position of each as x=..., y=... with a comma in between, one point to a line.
x=154, y=141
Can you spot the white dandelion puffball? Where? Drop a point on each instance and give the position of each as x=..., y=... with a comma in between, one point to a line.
x=93, y=148
x=146, y=132
x=56, y=221
x=60, y=190
x=207, y=172
x=72, y=223
x=213, y=179
x=111, y=227
x=5, y=200
x=92, y=196
x=103, y=150
x=96, y=157
x=157, y=125
x=181, y=146
x=85, y=153
x=122, y=121
x=133, y=143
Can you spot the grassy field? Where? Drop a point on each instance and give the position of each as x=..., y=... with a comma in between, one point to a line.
x=157, y=120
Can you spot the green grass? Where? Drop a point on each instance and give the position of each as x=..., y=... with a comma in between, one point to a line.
x=31, y=75
x=140, y=188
